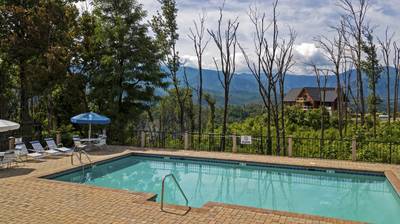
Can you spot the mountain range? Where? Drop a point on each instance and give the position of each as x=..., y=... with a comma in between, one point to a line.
x=244, y=87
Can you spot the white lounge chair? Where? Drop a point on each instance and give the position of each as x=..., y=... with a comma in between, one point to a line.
x=22, y=151
x=8, y=159
x=51, y=144
x=37, y=147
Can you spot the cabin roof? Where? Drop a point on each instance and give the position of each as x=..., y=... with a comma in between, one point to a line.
x=314, y=92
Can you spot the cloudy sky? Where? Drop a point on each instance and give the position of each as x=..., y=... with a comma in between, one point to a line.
x=309, y=18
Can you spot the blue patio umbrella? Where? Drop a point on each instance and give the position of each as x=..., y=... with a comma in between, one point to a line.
x=90, y=118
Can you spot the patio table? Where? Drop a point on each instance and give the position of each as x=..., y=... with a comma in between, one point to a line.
x=90, y=141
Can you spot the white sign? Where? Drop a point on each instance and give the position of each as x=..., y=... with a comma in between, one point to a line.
x=245, y=140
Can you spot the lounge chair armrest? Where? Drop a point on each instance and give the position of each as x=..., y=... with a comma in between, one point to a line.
x=60, y=145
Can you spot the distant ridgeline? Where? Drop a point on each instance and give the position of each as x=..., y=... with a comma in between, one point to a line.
x=244, y=87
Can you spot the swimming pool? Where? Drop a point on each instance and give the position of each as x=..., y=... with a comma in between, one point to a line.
x=338, y=194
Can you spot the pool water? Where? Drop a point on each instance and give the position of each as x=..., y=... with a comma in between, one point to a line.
x=358, y=197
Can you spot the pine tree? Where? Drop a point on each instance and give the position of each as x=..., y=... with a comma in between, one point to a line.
x=128, y=72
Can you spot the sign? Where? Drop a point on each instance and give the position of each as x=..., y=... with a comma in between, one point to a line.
x=245, y=140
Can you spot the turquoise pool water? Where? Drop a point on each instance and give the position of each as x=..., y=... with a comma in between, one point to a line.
x=367, y=198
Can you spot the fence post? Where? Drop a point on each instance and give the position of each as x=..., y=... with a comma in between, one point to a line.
x=234, y=143
x=11, y=143
x=354, y=149
x=290, y=146
x=187, y=141
x=142, y=139
x=58, y=138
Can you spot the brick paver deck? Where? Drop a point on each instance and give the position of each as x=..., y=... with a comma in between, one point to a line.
x=25, y=198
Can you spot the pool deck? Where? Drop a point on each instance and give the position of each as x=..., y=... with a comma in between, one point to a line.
x=26, y=198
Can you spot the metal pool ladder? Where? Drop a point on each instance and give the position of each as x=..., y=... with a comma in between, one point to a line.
x=79, y=157
x=179, y=187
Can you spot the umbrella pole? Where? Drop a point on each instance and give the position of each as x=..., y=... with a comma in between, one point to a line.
x=90, y=130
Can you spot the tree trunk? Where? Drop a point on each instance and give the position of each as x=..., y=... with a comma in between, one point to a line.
x=282, y=93
x=396, y=96
x=181, y=118
x=276, y=121
x=3, y=102
x=375, y=107
x=361, y=95
x=191, y=116
x=224, y=125
x=26, y=129
x=388, y=110
x=339, y=104
x=200, y=97
x=269, y=132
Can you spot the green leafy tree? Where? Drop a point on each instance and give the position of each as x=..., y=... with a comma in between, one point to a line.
x=166, y=29
x=35, y=41
x=128, y=71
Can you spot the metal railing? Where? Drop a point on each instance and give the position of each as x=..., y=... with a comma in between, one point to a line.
x=306, y=147
x=179, y=187
x=367, y=150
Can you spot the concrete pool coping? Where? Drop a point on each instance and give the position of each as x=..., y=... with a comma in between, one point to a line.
x=208, y=211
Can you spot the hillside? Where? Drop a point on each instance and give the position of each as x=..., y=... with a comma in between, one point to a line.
x=244, y=87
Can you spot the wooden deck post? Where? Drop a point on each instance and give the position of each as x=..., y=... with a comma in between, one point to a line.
x=234, y=143
x=354, y=149
x=187, y=141
x=290, y=146
x=142, y=139
x=11, y=143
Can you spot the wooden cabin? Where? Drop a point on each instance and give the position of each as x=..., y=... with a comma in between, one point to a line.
x=310, y=98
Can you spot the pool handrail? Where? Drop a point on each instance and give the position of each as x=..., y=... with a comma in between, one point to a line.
x=179, y=187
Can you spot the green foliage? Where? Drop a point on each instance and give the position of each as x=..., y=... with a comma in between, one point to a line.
x=37, y=41
x=56, y=63
x=127, y=73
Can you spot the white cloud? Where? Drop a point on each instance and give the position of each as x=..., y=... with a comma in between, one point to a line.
x=309, y=18
x=306, y=49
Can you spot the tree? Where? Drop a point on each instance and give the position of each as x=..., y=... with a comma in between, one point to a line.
x=354, y=22
x=6, y=88
x=200, y=45
x=255, y=66
x=188, y=98
x=396, y=65
x=322, y=79
x=386, y=47
x=226, y=43
x=166, y=29
x=283, y=63
x=335, y=53
x=273, y=60
x=128, y=71
x=36, y=40
x=211, y=115
x=373, y=70
x=86, y=59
